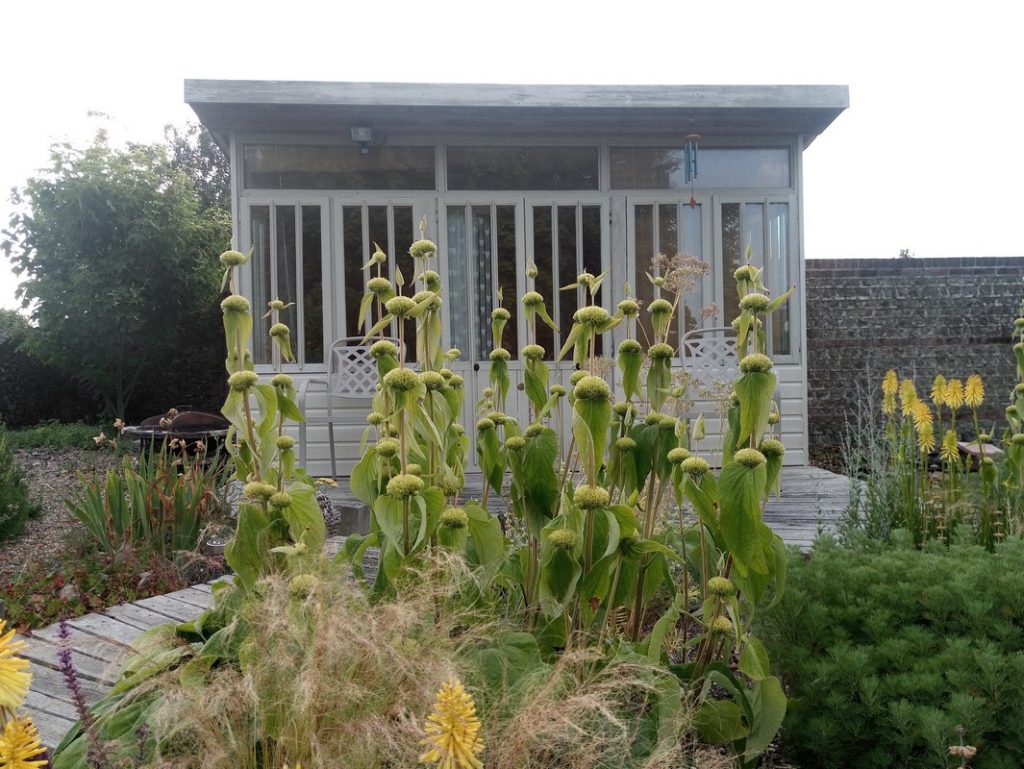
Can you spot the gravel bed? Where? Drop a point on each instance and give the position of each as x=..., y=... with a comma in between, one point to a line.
x=52, y=476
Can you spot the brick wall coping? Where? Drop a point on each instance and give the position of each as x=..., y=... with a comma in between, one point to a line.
x=913, y=263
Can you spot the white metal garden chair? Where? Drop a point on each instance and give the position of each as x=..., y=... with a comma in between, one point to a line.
x=351, y=375
x=709, y=357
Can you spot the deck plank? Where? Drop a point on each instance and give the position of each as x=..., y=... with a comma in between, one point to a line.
x=171, y=609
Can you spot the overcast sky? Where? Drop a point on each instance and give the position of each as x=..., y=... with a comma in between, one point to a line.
x=929, y=157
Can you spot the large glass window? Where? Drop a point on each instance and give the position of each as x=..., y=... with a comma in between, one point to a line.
x=668, y=229
x=287, y=245
x=764, y=227
x=522, y=168
x=654, y=168
x=341, y=167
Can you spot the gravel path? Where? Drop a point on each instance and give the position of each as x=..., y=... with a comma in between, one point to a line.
x=52, y=477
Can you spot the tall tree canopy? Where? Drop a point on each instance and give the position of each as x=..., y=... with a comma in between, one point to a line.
x=117, y=252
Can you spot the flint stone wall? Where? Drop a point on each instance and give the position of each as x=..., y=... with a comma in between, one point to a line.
x=921, y=317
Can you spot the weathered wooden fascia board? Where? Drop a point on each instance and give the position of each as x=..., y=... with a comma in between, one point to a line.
x=495, y=95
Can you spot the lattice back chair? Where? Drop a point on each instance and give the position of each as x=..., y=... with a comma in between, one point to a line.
x=709, y=357
x=351, y=375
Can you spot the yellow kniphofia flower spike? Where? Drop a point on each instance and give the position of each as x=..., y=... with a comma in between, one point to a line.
x=938, y=392
x=20, y=746
x=453, y=730
x=890, y=384
x=926, y=438
x=921, y=414
x=974, y=391
x=949, y=450
x=14, y=675
x=954, y=394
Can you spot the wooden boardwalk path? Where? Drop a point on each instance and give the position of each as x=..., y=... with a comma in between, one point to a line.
x=812, y=500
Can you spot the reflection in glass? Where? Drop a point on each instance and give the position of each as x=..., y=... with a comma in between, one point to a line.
x=568, y=269
x=341, y=167
x=542, y=257
x=353, y=259
x=777, y=270
x=590, y=226
x=458, y=284
x=507, y=272
x=522, y=168
x=286, y=266
x=643, y=248
x=483, y=273
x=261, y=281
x=732, y=258
x=651, y=168
x=312, y=286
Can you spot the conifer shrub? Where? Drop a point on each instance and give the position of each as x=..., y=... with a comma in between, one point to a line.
x=15, y=505
x=886, y=653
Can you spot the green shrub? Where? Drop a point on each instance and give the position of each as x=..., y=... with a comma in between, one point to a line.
x=15, y=505
x=885, y=653
x=32, y=391
x=55, y=435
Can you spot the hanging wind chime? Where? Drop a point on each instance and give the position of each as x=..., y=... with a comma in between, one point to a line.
x=690, y=162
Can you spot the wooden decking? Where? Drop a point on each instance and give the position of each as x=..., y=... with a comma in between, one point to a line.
x=100, y=642
x=812, y=500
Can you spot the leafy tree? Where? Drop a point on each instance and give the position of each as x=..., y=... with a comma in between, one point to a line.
x=117, y=255
x=196, y=153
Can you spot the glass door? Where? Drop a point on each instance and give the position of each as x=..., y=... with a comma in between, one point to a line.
x=361, y=225
x=290, y=243
x=670, y=227
x=488, y=246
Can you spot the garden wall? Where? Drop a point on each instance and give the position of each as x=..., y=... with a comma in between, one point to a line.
x=921, y=317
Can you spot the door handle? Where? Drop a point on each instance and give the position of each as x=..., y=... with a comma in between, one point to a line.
x=476, y=366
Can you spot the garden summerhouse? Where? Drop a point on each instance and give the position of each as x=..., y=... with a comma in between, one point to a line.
x=571, y=178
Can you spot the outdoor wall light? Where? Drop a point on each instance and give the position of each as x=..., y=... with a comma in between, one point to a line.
x=363, y=136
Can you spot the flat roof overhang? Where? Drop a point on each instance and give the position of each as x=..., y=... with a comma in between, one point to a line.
x=309, y=107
